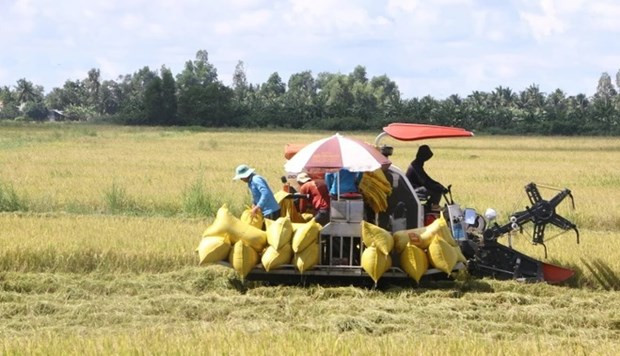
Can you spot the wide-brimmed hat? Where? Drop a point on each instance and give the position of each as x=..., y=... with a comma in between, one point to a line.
x=243, y=171
x=302, y=178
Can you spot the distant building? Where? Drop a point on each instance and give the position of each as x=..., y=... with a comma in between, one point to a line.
x=56, y=115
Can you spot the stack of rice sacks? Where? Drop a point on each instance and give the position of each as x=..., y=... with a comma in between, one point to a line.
x=376, y=256
x=305, y=245
x=241, y=240
x=279, y=236
x=375, y=189
x=432, y=245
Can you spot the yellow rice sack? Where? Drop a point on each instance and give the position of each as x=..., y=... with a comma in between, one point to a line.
x=212, y=249
x=375, y=262
x=441, y=255
x=414, y=261
x=373, y=235
x=220, y=223
x=403, y=237
x=256, y=221
x=296, y=226
x=445, y=232
x=428, y=235
x=242, y=258
x=273, y=258
x=226, y=223
x=459, y=255
x=287, y=206
x=307, y=258
x=423, y=237
x=305, y=235
x=279, y=232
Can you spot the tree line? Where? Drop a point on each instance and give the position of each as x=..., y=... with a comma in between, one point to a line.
x=332, y=101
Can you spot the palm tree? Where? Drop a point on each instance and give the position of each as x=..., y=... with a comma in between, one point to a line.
x=26, y=91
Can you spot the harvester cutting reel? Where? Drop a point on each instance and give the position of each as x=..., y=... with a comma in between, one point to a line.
x=541, y=213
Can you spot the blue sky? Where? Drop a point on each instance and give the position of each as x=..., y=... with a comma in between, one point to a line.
x=437, y=48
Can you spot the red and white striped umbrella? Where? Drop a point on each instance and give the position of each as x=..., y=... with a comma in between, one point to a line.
x=337, y=152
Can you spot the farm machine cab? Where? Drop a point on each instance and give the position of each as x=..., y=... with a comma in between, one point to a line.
x=341, y=245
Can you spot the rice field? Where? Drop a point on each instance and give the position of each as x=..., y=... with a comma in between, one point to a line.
x=99, y=225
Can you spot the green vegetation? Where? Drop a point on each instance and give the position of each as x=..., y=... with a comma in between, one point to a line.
x=197, y=202
x=331, y=101
x=10, y=200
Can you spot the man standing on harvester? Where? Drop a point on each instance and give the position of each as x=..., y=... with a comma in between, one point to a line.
x=262, y=196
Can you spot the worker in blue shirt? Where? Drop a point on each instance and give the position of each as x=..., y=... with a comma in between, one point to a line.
x=262, y=196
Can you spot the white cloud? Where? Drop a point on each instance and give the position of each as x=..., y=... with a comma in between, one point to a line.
x=545, y=24
x=109, y=68
x=130, y=22
x=24, y=8
x=325, y=16
x=606, y=16
x=248, y=21
x=439, y=47
x=396, y=7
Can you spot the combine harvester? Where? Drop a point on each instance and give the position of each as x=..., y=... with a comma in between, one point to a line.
x=341, y=246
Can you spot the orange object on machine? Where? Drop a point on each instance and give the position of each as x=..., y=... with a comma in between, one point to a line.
x=412, y=132
x=291, y=149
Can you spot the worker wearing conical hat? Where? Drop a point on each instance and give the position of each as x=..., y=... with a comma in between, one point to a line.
x=262, y=196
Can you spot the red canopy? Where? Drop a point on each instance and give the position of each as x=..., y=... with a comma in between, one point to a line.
x=412, y=132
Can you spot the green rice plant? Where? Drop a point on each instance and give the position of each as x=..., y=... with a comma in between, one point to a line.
x=10, y=200
x=197, y=201
x=118, y=201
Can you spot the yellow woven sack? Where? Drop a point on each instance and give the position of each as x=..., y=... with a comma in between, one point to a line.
x=220, y=223
x=256, y=221
x=273, y=258
x=242, y=258
x=375, y=262
x=297, y=226
x=226, y=223
x=287, y=206
x=373, y=235
x=212, y=249
x=459, y=255
x=429, y=234
x=305, y=235
x=279, y=232
x=403, y=237
x=414, y=261
x=445, y=232
x=441, y=255
x=307, y=258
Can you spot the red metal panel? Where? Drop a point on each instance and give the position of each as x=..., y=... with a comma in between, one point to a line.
x=556, y=274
